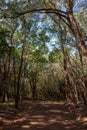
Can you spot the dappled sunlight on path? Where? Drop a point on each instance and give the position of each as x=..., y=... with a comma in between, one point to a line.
x=43, y=116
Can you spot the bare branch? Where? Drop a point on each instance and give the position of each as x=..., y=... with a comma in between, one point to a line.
x=49, y=10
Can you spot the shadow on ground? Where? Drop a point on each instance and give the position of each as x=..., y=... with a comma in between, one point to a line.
x=44, y=116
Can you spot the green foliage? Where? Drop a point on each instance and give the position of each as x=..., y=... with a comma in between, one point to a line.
x=4, y=47
x=53, y=56
x=41, y=67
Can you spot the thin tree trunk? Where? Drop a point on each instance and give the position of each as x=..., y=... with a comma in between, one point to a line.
x=17, y=99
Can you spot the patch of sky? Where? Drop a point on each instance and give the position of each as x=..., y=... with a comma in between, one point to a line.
x=52, y=44
x=80, y=5
x=7, y=1
x=63, y=8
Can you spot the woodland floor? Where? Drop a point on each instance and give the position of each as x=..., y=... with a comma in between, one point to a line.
x=44, y=116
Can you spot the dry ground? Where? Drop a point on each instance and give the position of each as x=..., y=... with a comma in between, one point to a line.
x=44, y=116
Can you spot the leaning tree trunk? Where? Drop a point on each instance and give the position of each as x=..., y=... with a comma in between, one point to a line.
x=80, y=42
x=72, y=22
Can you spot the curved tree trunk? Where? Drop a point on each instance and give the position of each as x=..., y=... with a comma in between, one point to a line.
x=72, y=22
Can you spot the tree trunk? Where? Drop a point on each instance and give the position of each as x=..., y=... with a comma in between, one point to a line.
x=72, y=22
x=5, y=97
x=17, y=98
x=33, y=88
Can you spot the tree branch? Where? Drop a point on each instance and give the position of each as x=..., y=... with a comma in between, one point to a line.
x=49, y=10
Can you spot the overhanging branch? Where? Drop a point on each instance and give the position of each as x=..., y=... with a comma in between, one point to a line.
x=61, y=14
x=50, y=10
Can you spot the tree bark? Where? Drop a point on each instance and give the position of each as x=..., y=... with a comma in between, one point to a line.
x=80, y=42
x=17, y=98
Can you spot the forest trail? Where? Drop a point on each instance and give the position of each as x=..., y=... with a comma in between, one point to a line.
x=44, y=116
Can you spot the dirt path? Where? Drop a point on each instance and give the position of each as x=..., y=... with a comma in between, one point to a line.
x=44, y=116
